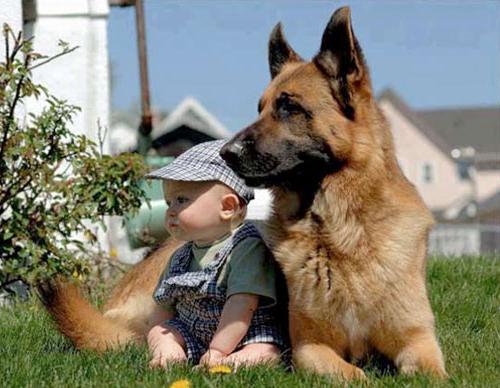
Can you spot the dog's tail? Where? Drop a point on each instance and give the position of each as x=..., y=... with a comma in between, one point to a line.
x=78, y=320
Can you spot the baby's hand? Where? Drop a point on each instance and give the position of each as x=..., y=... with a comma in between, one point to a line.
x=212, y=357
x=164, y=347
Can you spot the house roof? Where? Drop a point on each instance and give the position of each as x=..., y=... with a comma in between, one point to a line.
x=455, y=128
x=125, y=117
x=416, y=120
x=132, y=117
x=468, y=127
x=458, y=212
x=124, y=127
x=191, y=113
x=490, y=204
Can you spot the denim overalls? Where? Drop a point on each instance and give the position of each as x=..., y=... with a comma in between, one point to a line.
x=199, y=300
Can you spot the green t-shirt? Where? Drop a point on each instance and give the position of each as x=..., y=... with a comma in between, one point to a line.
x=249, y=269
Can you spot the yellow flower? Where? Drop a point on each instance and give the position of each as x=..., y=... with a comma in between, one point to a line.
x=113, y=253
x=78, y=275
x=222, y=369
x=181, y=384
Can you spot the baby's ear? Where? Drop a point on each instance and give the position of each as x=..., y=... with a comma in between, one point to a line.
x=230, y=205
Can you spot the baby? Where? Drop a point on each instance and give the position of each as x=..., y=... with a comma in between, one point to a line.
x=219, y=289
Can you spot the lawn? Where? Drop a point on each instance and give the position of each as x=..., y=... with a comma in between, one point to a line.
x=464, y=294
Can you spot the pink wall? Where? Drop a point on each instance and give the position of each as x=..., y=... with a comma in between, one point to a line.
x=413, y=150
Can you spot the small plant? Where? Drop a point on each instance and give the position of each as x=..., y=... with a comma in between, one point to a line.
x=55, y=185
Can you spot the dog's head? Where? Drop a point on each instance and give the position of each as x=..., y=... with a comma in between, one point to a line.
x=311, y=114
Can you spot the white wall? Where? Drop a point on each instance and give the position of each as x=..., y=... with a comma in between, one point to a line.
x=81, y=77
x=414, y=149
x=488, y=183
x=11, y=12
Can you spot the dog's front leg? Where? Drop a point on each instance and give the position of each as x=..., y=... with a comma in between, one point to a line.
x=421, y=353
x=321, y=358
x=312, y=341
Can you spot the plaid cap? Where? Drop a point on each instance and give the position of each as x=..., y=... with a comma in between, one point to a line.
x=203, y=163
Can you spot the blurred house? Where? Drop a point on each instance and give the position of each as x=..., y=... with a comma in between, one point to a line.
x=452, y=156
x=188, y=124
x=124, y=126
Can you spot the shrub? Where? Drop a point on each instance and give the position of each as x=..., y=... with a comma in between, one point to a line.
x=55, y=185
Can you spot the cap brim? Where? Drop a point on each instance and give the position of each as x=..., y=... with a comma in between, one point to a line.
x=177, y=172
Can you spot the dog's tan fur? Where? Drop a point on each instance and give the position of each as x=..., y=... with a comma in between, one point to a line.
x=350, y=232
x=352, y=248
x=126, y=316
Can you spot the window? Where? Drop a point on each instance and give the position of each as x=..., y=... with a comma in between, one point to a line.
x=463, y=168
x=428, y=173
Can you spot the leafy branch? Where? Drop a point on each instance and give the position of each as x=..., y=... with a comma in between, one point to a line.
x=56, y=186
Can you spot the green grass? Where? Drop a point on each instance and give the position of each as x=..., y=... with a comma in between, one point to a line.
x=465, y=297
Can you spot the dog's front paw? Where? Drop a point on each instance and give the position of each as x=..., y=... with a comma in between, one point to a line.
x=322, y=359
x=353, y=373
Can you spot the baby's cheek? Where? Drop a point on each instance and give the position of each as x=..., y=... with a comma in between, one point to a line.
x=185, y=218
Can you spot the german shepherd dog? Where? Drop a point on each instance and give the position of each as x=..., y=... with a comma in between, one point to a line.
x=348, y=229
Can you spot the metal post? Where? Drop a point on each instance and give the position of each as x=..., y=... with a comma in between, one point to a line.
x=146, y=126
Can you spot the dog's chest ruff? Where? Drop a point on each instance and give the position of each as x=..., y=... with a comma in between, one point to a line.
x=314, y=275
x=323, y=286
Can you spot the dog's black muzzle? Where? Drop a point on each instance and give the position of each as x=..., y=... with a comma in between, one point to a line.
x=231, y=153
x=256, y=168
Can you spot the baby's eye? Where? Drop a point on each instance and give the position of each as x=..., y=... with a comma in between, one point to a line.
x=181, y=200
x=168, y=203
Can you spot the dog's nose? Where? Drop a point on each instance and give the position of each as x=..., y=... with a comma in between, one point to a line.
x=231, y=152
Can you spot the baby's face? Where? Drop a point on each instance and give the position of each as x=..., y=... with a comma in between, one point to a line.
x=194, y=210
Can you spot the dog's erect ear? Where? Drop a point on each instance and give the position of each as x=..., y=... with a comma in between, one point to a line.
x=280, y=51
x=341, y=58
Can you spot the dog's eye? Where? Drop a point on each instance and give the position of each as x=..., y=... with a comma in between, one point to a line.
x=259, y=107
x=285, y=106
